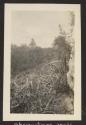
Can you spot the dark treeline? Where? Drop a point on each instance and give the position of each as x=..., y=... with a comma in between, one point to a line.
x=23, y=58
x=28, y=57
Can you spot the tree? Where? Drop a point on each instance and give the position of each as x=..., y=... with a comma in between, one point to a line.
x=32, y=43
x=62, y=48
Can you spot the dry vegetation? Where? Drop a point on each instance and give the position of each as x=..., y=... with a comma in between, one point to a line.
x=39, y=82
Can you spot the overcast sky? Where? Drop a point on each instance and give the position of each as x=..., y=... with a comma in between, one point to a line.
x=40, y=25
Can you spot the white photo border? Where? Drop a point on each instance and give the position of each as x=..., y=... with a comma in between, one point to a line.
x=7, y=116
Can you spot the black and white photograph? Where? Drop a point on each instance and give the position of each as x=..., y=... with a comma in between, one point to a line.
x=42, y=55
